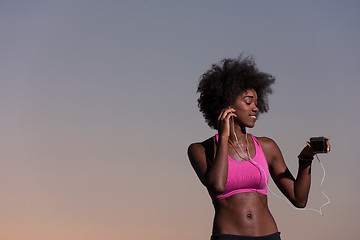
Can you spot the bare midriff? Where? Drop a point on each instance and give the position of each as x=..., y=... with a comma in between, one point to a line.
x=244, y=214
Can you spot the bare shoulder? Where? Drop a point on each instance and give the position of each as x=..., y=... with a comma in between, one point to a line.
x=196, y=147
x=266, y=142
x=199, y=148
x=270, y=148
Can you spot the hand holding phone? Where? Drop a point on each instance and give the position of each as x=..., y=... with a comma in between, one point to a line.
x=319, y=144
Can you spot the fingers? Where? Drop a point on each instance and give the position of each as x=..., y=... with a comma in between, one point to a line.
x=230, y=114
x=328, y=144
x=224, y=113
x=223, y=121
x=227, y=113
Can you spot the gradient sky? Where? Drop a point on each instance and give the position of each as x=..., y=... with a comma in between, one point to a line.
x=98, y=106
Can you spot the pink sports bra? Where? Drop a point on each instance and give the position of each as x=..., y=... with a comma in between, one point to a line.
x=246, y=176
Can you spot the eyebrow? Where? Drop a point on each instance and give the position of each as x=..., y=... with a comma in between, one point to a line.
x=249, y=96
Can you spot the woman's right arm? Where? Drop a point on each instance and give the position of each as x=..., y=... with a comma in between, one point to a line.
x=211, y=171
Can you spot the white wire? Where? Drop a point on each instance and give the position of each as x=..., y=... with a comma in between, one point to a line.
x=282, y=198
x=247, y=142
x=308, y=209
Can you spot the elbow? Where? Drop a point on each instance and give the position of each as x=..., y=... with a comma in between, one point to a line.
x=300, y=204
x=216, y=188
x=216, y=183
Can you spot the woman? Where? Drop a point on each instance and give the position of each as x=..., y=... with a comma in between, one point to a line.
x=235, y=166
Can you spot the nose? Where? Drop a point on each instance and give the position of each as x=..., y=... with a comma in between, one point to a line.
x=255, y=109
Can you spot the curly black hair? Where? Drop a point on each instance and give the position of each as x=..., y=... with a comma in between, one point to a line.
x=225, y=81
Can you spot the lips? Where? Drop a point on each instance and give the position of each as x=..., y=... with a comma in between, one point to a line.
x=253, y=117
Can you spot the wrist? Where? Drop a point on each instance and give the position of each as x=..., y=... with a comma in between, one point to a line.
x=305, y=160
x=223, y=137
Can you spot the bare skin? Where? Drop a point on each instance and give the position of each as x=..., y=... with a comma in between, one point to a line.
x=246, y=213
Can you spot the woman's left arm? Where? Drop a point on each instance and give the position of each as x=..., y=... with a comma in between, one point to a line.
x=296, y=190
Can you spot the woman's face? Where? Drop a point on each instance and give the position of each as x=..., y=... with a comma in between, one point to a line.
x=246, y=109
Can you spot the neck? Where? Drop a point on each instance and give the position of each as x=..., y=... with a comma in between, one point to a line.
x=240, y=132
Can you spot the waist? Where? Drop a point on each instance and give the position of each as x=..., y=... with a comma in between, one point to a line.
x=274, y=236
x=243, y=214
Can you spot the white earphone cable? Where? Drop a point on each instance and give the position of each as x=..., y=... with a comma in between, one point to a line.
x=266, y=180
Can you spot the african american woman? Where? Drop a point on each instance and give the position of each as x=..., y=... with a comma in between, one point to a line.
x=234, y=165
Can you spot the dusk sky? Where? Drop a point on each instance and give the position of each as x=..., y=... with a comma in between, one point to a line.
x=98, y=105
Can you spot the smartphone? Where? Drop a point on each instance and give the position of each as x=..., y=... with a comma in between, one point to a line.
x=318, y=144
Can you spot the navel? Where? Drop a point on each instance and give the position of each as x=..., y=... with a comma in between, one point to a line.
x=249, y=216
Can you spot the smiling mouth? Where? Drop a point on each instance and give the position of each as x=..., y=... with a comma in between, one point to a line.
x=252, y=116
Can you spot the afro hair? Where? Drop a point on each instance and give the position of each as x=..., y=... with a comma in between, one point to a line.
x=225, y=81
